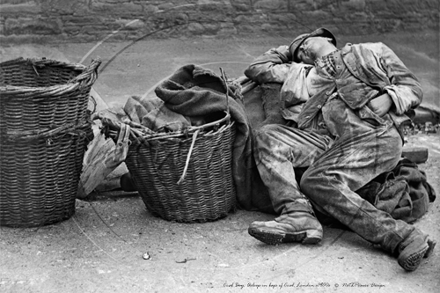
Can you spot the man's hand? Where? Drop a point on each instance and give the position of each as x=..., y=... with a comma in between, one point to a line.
x=381, y=104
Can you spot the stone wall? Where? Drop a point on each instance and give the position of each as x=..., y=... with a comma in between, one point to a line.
x=93, y=20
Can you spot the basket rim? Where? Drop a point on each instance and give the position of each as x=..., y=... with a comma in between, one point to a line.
x=88, y=75
x=139, y=131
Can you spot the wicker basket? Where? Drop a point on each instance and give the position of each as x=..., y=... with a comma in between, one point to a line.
x=45, y=128
x=185, y=176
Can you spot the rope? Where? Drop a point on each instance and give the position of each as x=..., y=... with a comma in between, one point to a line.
x=194, y=138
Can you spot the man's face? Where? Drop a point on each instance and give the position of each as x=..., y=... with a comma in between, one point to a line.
x=308, y=49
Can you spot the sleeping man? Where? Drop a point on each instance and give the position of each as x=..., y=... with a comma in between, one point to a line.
x=344, y=107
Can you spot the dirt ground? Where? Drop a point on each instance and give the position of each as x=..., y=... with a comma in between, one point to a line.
x=101, y=248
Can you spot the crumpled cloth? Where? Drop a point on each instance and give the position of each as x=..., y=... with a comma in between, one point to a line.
x=404, y=192
x=152, y=113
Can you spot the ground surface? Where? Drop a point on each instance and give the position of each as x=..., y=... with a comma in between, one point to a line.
x=100, y=248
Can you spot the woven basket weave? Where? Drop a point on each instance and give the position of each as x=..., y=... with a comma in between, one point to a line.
x=185, y=176
x=44, y=128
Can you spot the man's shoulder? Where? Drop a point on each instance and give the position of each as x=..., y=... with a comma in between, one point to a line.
x=373, y=46
x=360, y=55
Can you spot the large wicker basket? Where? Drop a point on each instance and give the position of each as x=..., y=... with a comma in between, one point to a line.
x=184, y=176
x=45, y=128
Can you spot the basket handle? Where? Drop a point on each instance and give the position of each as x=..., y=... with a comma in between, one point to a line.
x=95, y=105
x=122, y=144
x=90, y=74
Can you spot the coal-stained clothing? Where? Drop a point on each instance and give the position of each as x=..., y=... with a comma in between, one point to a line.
x=339, y=138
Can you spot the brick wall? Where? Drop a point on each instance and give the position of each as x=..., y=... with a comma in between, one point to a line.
x=92, y=20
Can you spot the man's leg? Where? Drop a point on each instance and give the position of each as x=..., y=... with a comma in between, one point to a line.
x=352, y=162
x=278, y=150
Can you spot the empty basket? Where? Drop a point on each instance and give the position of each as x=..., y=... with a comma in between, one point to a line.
x=45, y=128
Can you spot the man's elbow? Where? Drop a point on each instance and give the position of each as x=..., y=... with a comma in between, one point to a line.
x=254, y=74
x=249, y=73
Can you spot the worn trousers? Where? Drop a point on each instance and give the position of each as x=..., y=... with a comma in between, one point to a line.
x=336, y=169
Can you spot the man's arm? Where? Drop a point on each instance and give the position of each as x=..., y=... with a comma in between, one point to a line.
x=272, y=66
x=276, y=66
x=405, y=90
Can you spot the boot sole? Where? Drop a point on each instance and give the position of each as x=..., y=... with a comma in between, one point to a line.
x=412, y=262
x=304, y=237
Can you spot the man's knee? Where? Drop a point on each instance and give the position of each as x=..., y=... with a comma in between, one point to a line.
x=268, y=129
x=265, y=134
x=266, y=142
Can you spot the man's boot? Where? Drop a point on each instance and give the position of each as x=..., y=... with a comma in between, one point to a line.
x=413, y=249
x=300, y=227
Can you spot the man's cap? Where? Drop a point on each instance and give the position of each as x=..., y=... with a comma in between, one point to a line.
x=320, y=32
